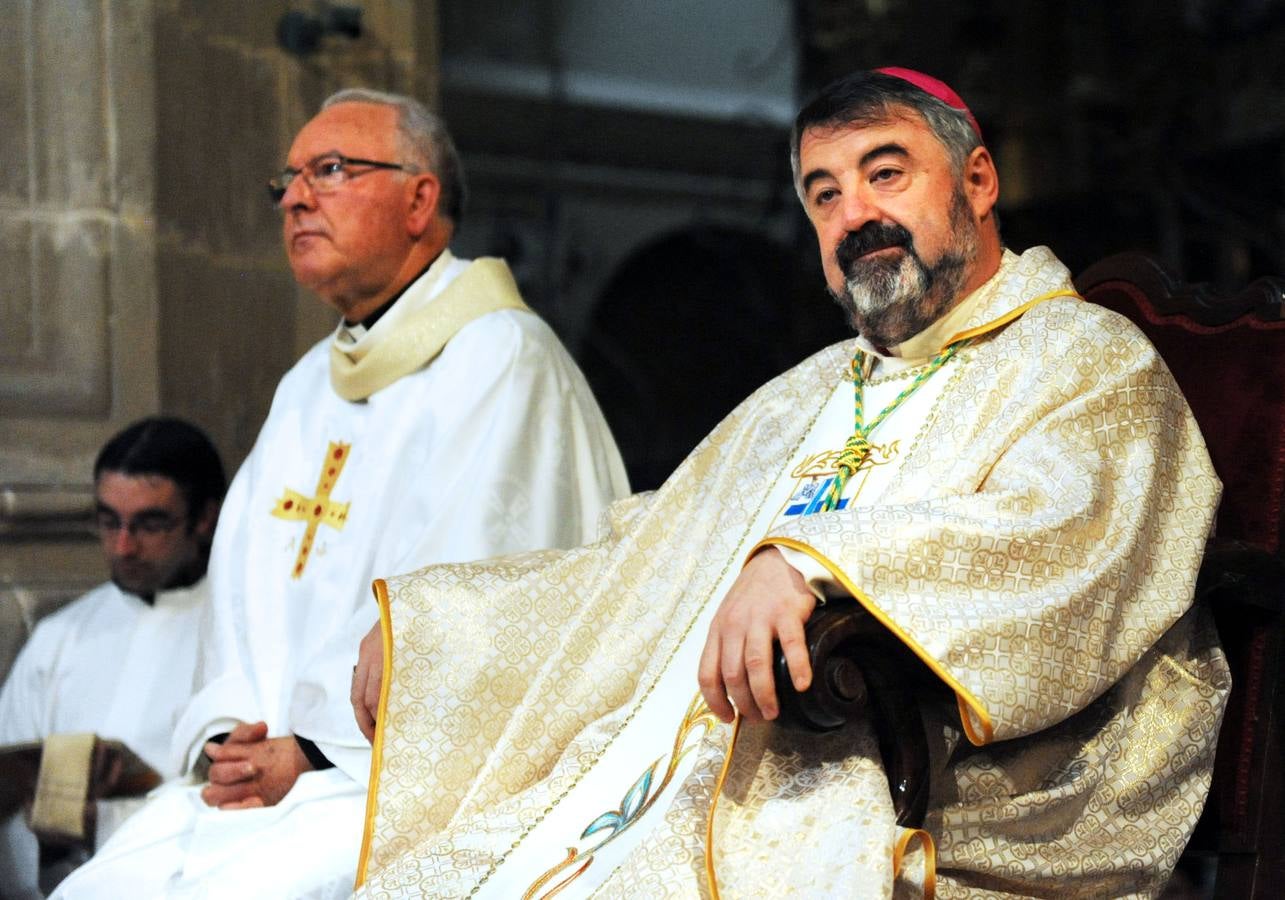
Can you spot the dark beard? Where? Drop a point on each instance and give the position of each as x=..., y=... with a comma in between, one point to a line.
x=891, y=298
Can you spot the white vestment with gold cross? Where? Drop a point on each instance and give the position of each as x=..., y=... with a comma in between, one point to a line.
x=440, y=433
x=1029, y=523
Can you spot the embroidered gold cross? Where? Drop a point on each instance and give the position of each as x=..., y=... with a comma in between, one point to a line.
x=319, y=509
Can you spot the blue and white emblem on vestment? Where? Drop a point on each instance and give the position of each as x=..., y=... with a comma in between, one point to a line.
x=809, y=495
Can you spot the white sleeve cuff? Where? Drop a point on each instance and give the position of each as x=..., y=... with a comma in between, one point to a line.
x=816, y=576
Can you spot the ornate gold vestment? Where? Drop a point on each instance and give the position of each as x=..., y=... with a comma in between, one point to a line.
x=1036, y=548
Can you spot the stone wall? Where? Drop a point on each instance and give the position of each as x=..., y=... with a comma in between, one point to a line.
x=79, y=352
x=140, y=261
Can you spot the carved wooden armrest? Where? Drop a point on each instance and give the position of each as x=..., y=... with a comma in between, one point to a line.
x=859, y=669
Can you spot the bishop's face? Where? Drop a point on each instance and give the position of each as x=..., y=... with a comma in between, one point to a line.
x=348, y=245
x=898, y=237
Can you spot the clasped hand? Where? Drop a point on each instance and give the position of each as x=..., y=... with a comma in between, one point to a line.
x=250, y=770
x=769, y=601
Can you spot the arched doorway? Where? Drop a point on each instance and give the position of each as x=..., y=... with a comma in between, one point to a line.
x=687, y=327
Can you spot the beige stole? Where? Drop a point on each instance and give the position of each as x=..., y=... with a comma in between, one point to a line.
x=485, y=286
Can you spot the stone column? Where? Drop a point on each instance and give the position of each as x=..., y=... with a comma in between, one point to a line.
x=78, y=302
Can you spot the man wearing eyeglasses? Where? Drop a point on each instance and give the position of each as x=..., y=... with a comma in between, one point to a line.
x=442, y=420
x=118, y=662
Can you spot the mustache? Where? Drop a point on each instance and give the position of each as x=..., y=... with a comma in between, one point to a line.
x=870, y=237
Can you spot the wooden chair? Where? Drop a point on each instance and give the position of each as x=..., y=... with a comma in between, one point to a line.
x=1228, y=355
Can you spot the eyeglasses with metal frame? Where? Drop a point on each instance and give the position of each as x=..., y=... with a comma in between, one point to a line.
x=325, y=174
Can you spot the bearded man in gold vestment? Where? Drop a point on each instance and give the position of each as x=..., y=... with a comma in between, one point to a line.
x=1022, y=499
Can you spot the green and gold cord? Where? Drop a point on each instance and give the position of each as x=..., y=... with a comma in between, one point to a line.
x=857, y=447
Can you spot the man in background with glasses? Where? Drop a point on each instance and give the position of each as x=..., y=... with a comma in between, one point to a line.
x=442, y=420
x=117, y=662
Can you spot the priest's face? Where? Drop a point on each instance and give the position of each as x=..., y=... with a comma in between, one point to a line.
x=348, y=244
x=899, y=238
x=150, y=541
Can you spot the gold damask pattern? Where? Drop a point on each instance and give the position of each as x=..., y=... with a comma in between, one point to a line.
x=482, y=737
x=1028, y=819
x=1052, y=527
x=772, y=824
x=1038, y=549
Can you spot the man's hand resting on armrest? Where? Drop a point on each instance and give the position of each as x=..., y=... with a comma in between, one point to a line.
x=366, y=678
x=250, y=770
x=769, y=601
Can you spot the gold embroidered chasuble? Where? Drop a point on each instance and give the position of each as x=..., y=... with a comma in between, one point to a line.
x=1034, y=539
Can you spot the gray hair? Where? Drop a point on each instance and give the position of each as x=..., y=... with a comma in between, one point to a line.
x=871, y=98
x=424, y=140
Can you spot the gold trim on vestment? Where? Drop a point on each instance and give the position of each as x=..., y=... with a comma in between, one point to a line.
x=380, y=589
x=710, y=878
x=967, y=702
x=1010, y=315
x=930, y=858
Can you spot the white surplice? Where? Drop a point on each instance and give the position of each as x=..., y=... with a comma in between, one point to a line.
x=495, y=446
x=107, y=663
